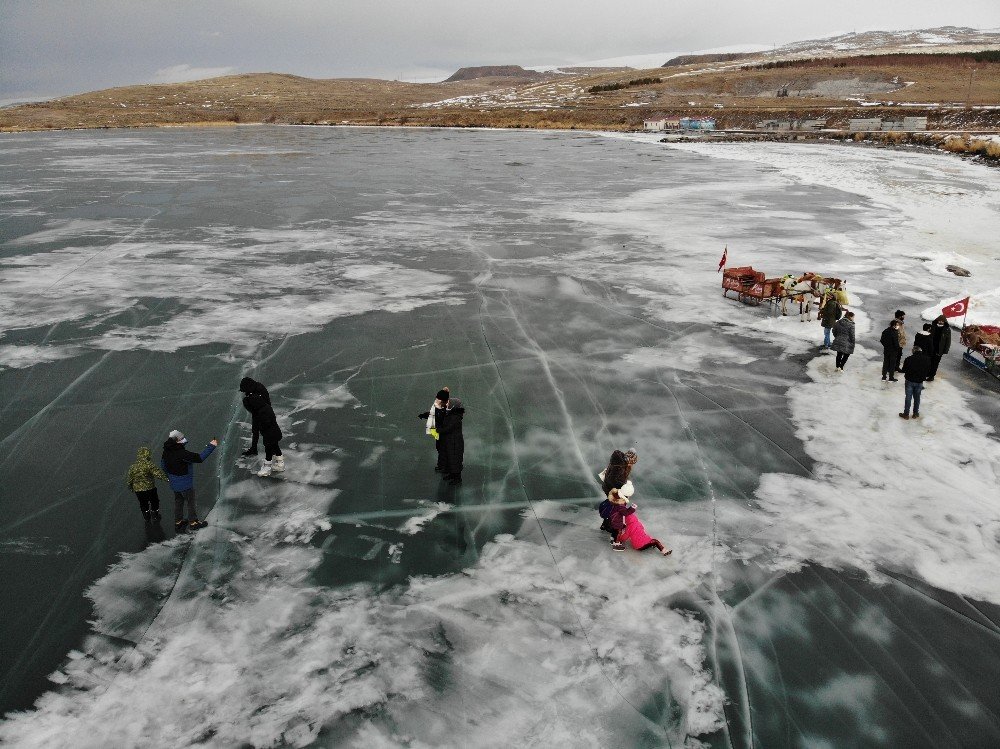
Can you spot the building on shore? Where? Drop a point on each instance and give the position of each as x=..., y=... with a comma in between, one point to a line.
x=864, y=124
x=905, y=124
x=664, y=123
x=697, y=123
x=805, y=124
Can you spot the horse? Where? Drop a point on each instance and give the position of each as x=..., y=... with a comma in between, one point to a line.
x=803, y=290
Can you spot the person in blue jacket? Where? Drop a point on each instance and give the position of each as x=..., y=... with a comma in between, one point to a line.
x=177, y=462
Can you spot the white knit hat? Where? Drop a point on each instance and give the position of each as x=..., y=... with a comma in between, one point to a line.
x=626, y=491
x=177, y=437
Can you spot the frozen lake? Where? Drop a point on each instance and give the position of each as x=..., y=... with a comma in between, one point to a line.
x=833, y=581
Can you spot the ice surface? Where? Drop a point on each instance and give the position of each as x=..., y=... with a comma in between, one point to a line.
x=831, y=581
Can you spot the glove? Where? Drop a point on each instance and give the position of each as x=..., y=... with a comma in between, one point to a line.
x=424, y=415
x=250, y=451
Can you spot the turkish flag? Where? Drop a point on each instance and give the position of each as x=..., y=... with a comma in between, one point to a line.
x=722, y=262
x=958, y=309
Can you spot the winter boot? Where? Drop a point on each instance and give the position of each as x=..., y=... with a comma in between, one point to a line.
x=279, y=464
x=265, y=470
x=196, y=524
x=180, y=525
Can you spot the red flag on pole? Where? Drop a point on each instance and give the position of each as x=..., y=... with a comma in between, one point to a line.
x=722, y=262
x=958, y=309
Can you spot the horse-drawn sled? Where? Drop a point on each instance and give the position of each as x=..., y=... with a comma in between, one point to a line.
x=753, y=287
x=982, y=350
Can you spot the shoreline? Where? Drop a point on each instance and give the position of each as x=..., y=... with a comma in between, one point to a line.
x=978, y=146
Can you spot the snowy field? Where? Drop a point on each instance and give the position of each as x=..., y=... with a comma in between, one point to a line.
x=833, y=581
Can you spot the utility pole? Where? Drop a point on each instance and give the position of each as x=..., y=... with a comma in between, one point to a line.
x=968, y=93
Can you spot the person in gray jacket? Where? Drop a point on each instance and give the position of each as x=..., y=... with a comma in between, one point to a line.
x=843, y=339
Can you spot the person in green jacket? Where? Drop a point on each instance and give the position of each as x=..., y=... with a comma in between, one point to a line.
x=141, y=478
x=830, y=312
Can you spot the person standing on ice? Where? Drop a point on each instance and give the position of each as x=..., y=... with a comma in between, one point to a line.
x=141, y=479
x=430, y=426
x=923, y=339
x=178, y=462
x=890, y=350
x=843, y=339
x=451, y=442
x=901, y=334
x=265, y=423
x=829, y=314
x=940, y=343
x=250, y=386
x=916, y=369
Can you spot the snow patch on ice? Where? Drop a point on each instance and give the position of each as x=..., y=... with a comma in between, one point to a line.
x=889, y=494
x=416, y=523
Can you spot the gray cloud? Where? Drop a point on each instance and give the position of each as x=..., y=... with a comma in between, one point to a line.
x=66, y=46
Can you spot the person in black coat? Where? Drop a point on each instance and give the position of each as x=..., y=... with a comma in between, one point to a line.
x=891, y=350
x=940, y=343
x=249, y=386
x=916, y=369
x=265, y=423
x=451, y=442
x=923, y=339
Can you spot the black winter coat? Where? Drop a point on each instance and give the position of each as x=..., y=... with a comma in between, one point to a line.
x=262, y=420
x=890, y=341
x=924, y=341
x=941, y=340
x=250, y=386
x=843, y=336
x=917, y=367
x=451, y=441
x=176, y=458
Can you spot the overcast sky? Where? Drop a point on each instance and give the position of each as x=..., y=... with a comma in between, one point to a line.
x=56, y=47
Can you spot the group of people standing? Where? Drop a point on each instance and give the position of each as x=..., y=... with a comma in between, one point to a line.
x=929, y=347
x=177, y=462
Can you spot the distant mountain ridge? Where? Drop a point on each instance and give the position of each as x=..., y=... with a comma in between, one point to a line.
x=495, y=71
x=694, y=59
x=910, y=40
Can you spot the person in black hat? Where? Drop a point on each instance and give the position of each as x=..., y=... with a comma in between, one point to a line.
x=430, y=427
x=444, y=423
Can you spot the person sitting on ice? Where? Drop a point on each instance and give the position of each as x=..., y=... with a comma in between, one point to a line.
x=265, y=423
x=627, y=525
x=620, y=508
x=635, y=533
x=250, y=386
x=606, y=508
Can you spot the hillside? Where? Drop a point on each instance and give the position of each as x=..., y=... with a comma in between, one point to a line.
x=930, y=73
x=495, y=71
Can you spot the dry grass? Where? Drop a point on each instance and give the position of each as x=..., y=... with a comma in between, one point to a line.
x=747, y=96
